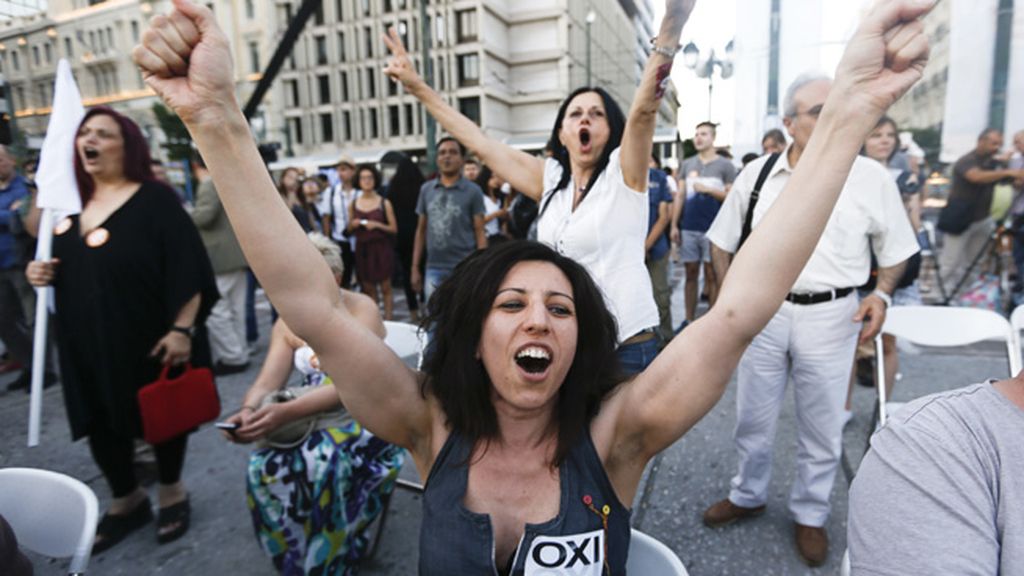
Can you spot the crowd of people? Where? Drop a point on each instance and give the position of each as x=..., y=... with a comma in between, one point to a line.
x=554, y=370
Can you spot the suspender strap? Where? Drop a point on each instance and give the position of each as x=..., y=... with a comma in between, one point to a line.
x=761, y=178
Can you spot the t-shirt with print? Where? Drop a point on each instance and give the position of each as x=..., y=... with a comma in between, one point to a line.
x=942, y=489
x=978, y=195
x=658, y=192
x=450, y=212
x=701, y=208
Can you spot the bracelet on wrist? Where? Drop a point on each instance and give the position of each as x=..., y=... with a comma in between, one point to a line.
x=667, y=51
x=883, y=297
x=247, y=407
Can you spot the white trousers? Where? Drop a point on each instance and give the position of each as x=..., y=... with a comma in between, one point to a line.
x=226, y=323
x=814, y=345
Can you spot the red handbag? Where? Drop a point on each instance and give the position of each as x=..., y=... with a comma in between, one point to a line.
x=172, y=406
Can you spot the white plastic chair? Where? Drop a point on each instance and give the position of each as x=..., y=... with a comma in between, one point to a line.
x=51, y=514
x=649, y=556
x=1017, y=322
x=406, y=341
x=942, y=326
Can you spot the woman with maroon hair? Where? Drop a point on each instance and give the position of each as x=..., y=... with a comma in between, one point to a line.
x=133, y=288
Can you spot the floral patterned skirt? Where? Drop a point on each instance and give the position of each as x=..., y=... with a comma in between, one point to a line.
x=311, y=504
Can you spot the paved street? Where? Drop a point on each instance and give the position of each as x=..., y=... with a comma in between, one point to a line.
x=689, y=476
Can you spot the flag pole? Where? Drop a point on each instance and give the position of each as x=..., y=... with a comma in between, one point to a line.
x=44, y=249
x=58, y=196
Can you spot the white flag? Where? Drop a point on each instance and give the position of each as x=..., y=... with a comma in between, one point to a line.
x=55, y=178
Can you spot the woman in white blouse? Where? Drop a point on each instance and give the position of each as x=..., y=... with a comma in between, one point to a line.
x=592, y=190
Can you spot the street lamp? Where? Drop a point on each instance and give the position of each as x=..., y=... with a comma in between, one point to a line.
x=706, y=68
x=591, y=17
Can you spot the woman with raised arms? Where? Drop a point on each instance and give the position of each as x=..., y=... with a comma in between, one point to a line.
x=524, y=432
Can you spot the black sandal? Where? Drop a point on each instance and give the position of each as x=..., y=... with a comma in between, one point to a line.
x=116, y=527
x=176, y=515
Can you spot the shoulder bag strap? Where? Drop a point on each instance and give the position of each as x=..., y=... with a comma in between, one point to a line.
x=761, y=178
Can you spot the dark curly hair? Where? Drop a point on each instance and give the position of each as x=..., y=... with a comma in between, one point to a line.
x=456, y=314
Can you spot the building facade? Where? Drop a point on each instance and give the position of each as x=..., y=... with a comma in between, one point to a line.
x=506, y=65
x=97, y=39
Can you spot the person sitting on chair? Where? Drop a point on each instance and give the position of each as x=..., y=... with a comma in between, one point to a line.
x=942, y=489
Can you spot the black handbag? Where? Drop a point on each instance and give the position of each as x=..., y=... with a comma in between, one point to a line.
x=955, y=216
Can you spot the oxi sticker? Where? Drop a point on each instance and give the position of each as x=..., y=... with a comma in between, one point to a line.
x=573, y=555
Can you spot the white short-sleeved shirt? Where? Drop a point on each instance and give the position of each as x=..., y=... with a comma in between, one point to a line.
x=491, y=206
x=869, y=214
x=606, y=236
x=337, y=201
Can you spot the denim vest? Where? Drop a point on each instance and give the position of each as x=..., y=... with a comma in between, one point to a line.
x=588, y=537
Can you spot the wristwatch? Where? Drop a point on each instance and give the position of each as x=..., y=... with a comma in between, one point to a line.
x=189, y=331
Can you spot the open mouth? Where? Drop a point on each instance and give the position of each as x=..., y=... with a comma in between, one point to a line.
x=533, y=359
x=585, y=137
x=91, y=153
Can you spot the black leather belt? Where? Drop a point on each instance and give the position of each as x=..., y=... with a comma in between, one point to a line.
x=817, y=297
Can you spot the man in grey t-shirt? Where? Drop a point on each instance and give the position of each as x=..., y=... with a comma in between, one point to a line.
x=451, y=219
x=942, y=489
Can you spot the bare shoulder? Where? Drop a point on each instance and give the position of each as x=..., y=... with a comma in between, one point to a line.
x=365, y=310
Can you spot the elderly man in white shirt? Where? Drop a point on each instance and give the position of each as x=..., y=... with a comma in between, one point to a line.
x=813, y=336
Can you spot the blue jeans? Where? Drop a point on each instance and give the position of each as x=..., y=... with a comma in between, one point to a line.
x=432, y=278
x=633, y=358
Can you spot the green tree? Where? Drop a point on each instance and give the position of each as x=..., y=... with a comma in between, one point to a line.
x=179, y=141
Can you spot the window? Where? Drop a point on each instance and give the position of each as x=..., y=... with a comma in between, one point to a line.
x=326, y=127
x=43, y=96
x=346, y=123
x=35, y=55
x=403, y=33
x=135, y=33
x=286, y=15
x=465, y=24
x=69, y=51
x=365, y=5
x=393, y=118
x=291, y=89
x=2, y=59
x=324, y=86
x=14, y=62
x=344, y=88
x=339, y=9
x=392, y=86
x=409, y=119
x=318, y=15
x=250, y=9
x=469, y=70
x=20, y=90
x=295, y=128
x=470, y=108
x=341, y=46
x=92, y=40
x=48, y=51
x=368, y=39
x=321, y=50
x=387, y=6
x=371, y=82
x=254, y=57
x=439, y=29
x=110, y=37
x=374, y=124
x=440, y=73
